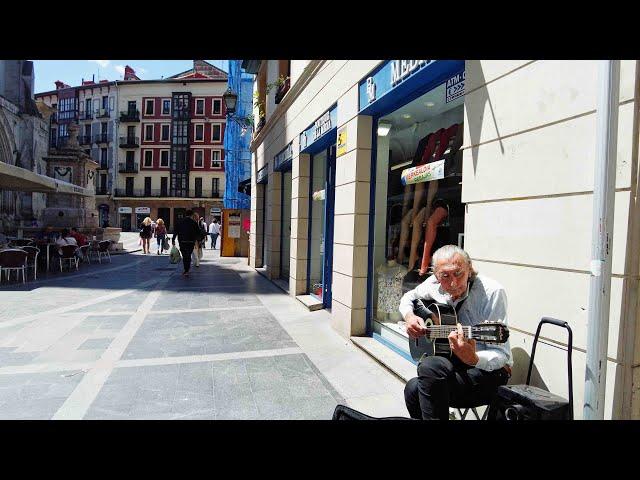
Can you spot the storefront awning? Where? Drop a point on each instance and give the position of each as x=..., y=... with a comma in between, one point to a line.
x=23, y=180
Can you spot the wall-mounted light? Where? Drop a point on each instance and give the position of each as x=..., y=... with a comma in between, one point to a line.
x=383, y=128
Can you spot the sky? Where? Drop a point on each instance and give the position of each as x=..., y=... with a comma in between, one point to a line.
x=72, y=72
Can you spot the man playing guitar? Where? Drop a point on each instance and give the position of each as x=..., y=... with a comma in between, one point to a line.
x=473, y=373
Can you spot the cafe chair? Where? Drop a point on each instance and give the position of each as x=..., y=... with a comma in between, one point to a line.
x=21, y=242
x=68, y=254
x=103, y=250
x=13, y=259
x=84, y=253
x=32, y=259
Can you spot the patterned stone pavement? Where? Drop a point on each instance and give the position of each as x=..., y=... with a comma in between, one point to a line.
x=133, y=339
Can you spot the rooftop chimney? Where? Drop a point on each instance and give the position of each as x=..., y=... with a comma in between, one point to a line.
x=130, y=73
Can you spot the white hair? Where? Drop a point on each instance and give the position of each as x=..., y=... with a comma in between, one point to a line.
x=447, y=252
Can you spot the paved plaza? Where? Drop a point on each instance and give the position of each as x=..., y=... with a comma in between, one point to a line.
x=133, y=339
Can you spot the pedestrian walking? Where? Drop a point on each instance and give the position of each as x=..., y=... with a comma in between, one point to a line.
x=214, y=231
x=187, y=233
x=160, y=233
x=145, y=234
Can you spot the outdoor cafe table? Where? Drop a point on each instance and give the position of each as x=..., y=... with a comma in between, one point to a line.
x=49, y=246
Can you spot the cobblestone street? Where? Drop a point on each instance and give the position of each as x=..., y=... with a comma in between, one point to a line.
x=133, y=339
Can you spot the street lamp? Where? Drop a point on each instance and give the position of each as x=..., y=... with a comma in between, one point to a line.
x=230, y=100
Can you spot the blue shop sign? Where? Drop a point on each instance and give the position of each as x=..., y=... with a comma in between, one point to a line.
x=394, y=80
x=323, y=125
x=282, y=160
x=261, y=175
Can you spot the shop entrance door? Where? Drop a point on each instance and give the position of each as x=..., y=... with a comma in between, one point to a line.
x=165, y=215
x=285, y=231
x=321, y=229
x=125, y=222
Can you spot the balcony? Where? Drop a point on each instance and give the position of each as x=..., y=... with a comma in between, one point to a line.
x=129, y=142
x=130, y=116
x=156, y=193
x=102, y=191
x=282, y=90
x=261, y=123
x=84, y=139
x=102, y=138
x=181, y=115
x=128, y=167
x=86, y=115
x=103, y=166
x=103, y=113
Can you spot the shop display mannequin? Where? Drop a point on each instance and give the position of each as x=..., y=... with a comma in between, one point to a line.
x=440, y=206
x=430, y=148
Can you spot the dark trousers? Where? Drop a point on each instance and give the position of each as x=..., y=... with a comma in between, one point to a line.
x=442, y=383
x=186, y=249
x=214, y=238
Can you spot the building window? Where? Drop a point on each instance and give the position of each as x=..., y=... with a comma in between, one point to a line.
x=198, y=185
x=166, y=107
x=164, y=158
x=148, y=132
x=105, y=103
x=147, y=186
x=103, y=128
x=215, y=159
x=216, y=132
x=199, y=106
x=103, y=158
x=165, y=133
x=217, y=106
x=129, y=186
x=199, y=134
x=215, y=187
x=198, y=159
x=148, y=158
x=148, y=107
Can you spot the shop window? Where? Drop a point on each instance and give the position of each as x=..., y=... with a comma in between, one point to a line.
x=418, y=204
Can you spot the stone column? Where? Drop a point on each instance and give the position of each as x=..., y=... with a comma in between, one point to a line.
x=274, y=209
x=300, y=173
x=351, y=221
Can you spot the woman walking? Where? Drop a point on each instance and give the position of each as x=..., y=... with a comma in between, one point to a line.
x=145, y=234
x=160, y=234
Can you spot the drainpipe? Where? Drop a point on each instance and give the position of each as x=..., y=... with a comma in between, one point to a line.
x=602, y=239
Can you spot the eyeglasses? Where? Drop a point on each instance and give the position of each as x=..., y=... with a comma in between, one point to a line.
x=447, y=276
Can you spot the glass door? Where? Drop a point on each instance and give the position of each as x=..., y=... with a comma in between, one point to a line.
x=321, y=225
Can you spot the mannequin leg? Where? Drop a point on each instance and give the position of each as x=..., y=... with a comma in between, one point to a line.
x=436, y=218
x=418, y=197
x=415, y=236
x=404, y=235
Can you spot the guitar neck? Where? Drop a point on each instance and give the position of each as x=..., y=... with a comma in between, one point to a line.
x=443, y=331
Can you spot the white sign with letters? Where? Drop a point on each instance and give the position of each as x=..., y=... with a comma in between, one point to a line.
x=143, y=210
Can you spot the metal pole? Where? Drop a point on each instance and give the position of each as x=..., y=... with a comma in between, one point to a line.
x=602, y=239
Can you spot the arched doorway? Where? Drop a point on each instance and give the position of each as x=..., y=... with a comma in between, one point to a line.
x=103, y=212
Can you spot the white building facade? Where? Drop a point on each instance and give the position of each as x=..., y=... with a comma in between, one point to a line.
x=363, y=168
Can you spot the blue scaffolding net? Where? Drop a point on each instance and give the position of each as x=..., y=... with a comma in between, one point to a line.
x=237, y=164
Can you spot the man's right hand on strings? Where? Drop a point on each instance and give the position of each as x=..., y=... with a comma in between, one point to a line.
x=415, y=325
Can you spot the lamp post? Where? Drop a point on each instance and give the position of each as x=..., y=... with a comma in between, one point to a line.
x=230, y=99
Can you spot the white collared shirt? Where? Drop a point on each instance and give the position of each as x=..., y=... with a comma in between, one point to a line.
x=487, y=300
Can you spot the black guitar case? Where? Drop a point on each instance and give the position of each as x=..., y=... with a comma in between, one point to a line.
x=342, y=412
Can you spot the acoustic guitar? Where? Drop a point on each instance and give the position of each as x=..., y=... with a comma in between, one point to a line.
x=441, y=319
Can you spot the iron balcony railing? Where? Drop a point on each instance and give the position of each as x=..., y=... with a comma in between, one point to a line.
x=103, y=113
x=142, y=193
x=60, y=142
x=84, y=139
x=102, y=165
x=130, y=116
x=128, y=167
x=129, y=142
x=86, y=115
x=102, y=138
x=102, y=191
